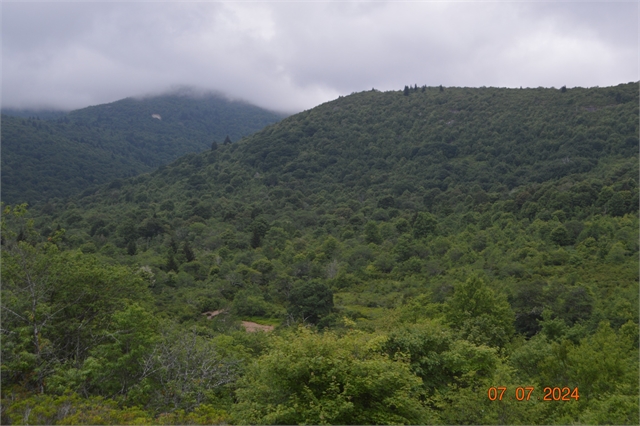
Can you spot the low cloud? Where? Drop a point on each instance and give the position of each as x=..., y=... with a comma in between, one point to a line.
x=293, y=56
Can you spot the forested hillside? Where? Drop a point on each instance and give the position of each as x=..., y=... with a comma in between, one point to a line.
x=433, y=255
x=65, y=155
x=42, y=114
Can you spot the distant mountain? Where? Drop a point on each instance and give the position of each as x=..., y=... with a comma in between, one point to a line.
x=51, y=154
x=428, y=150
x=42, y=114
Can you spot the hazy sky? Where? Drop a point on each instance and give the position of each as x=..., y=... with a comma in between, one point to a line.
x=295, y=55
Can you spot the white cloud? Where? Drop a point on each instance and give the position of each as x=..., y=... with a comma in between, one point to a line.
x=292, y=56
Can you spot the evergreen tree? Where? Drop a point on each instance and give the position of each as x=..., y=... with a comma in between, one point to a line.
x=188, y=253
x=227, y=141
x=259, y=229
x=132, y=249
x=171, y=264
x=173, y=246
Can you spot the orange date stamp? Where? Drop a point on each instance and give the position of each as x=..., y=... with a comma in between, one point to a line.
x=525, y=393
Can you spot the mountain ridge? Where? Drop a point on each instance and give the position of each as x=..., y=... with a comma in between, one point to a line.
x=57, y=157
x=436, y=143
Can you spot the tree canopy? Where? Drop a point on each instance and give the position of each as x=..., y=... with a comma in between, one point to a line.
x=381, y=258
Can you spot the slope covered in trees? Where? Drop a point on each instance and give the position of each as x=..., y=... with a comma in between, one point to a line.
x=415, y=250
x=65, y=155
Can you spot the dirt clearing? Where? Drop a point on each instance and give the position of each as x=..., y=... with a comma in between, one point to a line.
x=252, y=327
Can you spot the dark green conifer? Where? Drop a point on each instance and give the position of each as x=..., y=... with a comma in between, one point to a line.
x=132, y=248
x=188, y=253
x=171, y=264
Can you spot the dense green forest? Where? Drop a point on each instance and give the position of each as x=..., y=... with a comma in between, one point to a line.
x=432, y=255
x=41, y=114
x=60, y=155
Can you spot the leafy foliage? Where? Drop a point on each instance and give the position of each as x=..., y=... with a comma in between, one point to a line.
x=322, y=379
x=479, y=315
x=433, y=242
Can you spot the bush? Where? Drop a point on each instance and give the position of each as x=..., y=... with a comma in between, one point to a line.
x=322, y=379
x=247, y=304
x=310, y=301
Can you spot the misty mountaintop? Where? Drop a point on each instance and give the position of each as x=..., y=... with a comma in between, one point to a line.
x=49, y=154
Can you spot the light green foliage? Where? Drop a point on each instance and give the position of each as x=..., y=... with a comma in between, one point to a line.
x=471, y=405
x=70, y=409
x=612, y=409
x=204, y=414
x=552, y=328
x=330, y=247
x=617, y=253
x=323, y=379
x=528, y=358
x=57, y=304
x=479, y=314
x=247, y=304
x=438, y=358
x=118, y=365
x=600, y=364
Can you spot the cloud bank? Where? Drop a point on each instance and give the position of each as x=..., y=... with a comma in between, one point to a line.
x=292, y=56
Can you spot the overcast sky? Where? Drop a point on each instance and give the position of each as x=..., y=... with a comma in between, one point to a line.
x=295, y=55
